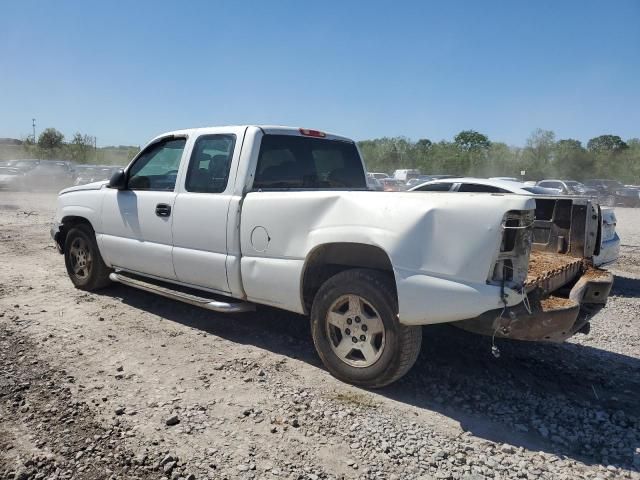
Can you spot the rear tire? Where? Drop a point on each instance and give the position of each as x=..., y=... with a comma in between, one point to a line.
x=82, y=258
x=356, y=332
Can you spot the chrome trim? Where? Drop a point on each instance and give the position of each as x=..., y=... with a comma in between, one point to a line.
x=202, y=302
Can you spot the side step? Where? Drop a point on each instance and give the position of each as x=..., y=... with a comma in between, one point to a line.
x=207, y=303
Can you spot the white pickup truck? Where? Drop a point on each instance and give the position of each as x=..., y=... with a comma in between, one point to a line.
x=229, y=217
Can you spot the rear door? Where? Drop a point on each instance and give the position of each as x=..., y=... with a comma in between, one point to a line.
x=136, y=222
x=201, y=248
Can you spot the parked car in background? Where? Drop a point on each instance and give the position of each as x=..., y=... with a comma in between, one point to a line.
x=50, y=174
x=418, y=180
x=11, y=178
x=613, y=192
x=634, y=187
x=392, y=185
x=406, y=174
x=482, y=185
x=558, y=185
x=373, y=183
x=509, y=179
x=439, y=177
x=546, y=201
x=378, y=175
x=24, y=165
x=93, y=173
x=581, y=188
x=567, y=187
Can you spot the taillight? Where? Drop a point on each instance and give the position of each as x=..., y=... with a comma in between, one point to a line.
x=512, y=263
x=312, y=133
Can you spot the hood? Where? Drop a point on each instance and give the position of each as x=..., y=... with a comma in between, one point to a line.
x=87, y=186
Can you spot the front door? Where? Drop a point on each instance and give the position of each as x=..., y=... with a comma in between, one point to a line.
x=136, y=222
x=201, y=207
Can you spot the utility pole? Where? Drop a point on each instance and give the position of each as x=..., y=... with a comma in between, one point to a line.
x=95, y=147
x=33, y=120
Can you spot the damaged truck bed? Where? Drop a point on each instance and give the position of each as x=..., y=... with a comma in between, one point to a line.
x=564, y=290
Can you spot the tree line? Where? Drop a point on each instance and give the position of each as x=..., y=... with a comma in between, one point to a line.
x=82, y=148
x=472, y=153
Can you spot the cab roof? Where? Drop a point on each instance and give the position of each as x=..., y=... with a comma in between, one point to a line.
x=267, y=129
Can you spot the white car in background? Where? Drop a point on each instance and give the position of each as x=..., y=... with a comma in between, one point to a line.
x=609, y=239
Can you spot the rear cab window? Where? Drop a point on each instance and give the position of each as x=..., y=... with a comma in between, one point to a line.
x=295, y=162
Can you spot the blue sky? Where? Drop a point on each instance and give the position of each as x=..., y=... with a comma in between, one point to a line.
x=126, y=71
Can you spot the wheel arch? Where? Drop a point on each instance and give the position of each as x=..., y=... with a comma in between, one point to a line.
x=328, y=259
x=67, y=223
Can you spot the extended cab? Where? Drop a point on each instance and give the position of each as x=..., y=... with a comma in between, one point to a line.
x=230, y=217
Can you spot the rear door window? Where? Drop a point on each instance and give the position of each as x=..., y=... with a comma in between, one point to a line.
x=293, y=162
x=210, y=164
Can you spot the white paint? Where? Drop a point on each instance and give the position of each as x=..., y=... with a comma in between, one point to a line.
x=450, y=237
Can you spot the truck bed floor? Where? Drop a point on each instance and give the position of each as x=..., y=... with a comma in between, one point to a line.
x=551, y=270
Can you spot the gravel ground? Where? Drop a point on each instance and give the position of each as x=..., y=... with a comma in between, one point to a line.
x=124, y=384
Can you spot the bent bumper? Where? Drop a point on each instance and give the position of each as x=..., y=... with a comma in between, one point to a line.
x=425, y=300
x=553, y=319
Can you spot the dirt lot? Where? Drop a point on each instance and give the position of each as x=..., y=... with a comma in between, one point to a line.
x=123, y=384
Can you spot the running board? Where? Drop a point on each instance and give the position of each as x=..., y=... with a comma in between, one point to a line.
x=198, y=301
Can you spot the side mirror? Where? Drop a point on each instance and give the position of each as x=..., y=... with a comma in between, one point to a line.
x=118, y=180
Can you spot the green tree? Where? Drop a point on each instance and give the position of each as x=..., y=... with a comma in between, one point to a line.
x=538, y=153
x=50, y=139
x=469, y=140
x=571, y=159
x=424, y=144
x=502, y=161
x=472, y=156
x=607, y=144
x=81, y=147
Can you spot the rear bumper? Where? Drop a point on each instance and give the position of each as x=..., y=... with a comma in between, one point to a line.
x=425, y=300
x=553, y=319
x=609, y=252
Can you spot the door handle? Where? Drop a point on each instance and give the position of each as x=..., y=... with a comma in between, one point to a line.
x=163, y=210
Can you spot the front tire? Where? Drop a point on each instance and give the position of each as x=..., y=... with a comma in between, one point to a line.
x=356, y=332
x=82, y=258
